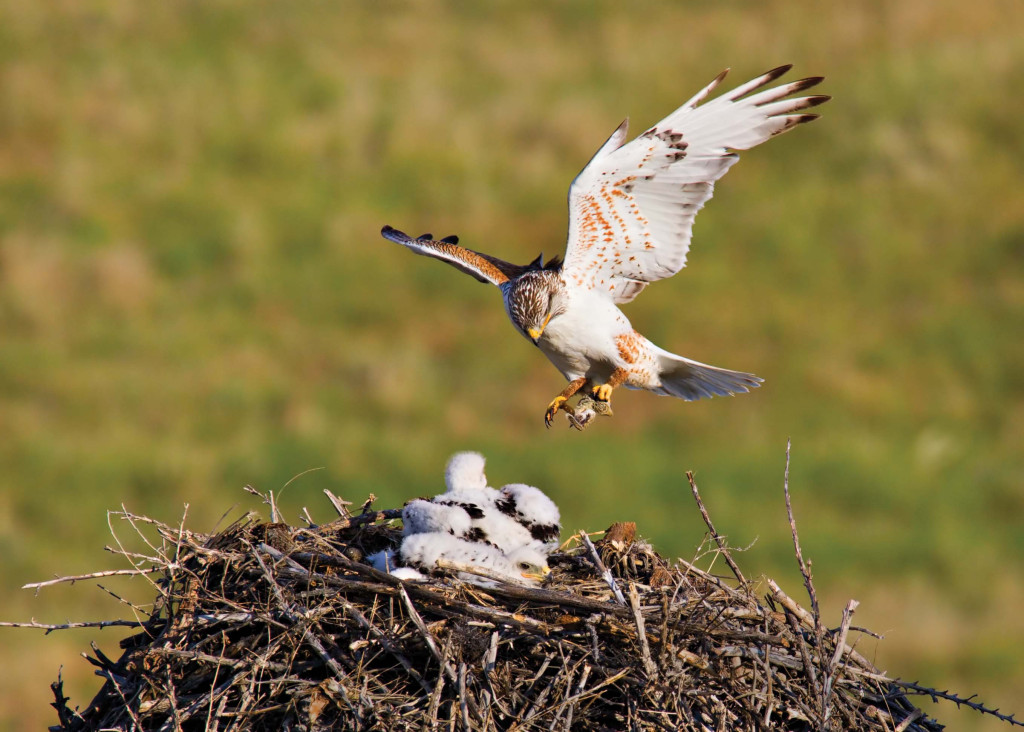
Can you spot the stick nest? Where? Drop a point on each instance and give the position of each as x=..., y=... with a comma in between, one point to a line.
x=265, y=626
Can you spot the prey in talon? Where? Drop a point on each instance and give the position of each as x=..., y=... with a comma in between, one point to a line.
x=586, y=410
x=631, y=213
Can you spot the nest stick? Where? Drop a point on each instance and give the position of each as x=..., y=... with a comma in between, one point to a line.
x=605, y=573
x=95, y=575
x=722, y=546
x=833, y=666
x=49, y=628
x=645, y=650
x=427, y=638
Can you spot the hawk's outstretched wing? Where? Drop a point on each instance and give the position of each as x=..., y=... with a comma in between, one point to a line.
x=483, y=267
x=631, y=209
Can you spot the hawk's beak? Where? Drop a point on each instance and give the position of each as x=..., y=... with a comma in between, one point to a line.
x=539, y=576
x=536, y=333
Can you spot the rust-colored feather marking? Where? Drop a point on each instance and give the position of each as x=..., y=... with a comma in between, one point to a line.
x=483, y=267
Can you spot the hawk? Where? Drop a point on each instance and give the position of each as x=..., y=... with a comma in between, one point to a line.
x=418, y=556
x=516, y=516
x=509, y=532
x=631, y=213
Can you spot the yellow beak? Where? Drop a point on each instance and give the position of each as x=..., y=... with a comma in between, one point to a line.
x=539, y=576
x=536, y=333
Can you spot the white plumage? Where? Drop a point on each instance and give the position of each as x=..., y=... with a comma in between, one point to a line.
x=510, y=532
x=422, y=552
x=464, y=475
x=531, y=509
x=423, y=517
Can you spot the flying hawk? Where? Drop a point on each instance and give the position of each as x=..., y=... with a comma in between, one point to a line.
x=631, y=214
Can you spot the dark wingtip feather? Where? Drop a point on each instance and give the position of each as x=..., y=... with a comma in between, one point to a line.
x=800, y=119
x=807, y=83
x=393, y=234
x=776, y=72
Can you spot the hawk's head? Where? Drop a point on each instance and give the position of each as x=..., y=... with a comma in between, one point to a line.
x=530, y=564
x=533, y=299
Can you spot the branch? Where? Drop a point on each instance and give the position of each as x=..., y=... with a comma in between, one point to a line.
x=605, y=572
x=66, y=626
x=96, y=575
x=714, y=534
x=935, y=694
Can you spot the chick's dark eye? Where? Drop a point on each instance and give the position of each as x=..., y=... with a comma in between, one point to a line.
x=524, y=565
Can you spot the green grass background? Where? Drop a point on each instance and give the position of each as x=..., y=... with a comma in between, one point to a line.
x=194, y=296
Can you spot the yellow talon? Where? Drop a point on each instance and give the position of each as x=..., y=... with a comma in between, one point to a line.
x=553, y=408
x=603, y=393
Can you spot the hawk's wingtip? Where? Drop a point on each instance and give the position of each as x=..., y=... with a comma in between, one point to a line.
x=392, y=234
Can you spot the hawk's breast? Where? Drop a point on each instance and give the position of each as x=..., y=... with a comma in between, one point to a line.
x=582, y=340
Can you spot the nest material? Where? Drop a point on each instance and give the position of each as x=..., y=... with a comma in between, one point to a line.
x=264, y=626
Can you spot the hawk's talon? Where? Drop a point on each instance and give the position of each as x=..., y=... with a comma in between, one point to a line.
x=603, y=392
x=557, y=403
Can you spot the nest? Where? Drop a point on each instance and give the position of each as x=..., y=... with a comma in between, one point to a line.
x=265, y=626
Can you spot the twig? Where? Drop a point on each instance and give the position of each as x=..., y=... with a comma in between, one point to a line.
x=805, y=570
x=93, y=575
x=298, y=618
x=645, y=650
x=833, y=666
x=935, y=694
x=427, y=638
x=463, y=704
x=390, y=647
x=339, y=505
x=66, y=626
x=369, y=517
x=605, y=573
x=801, y=644
x=723, y=548
x=790, y=604
x=914, y=716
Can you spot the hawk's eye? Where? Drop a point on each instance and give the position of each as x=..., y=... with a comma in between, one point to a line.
x=524, y=566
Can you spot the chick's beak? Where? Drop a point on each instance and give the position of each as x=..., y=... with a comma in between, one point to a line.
x=539, y=576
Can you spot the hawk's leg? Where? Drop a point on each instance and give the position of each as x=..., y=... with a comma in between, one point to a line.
x=603, y=392
x=559, y=401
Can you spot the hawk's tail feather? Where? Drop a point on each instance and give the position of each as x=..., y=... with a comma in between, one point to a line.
x=691, y=380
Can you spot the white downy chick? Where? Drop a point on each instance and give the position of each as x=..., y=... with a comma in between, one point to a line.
x=422, y=552
x=424, y=517
x=464, y=477
x=534, y=511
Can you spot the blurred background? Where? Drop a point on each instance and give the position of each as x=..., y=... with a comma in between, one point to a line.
x=194, y=295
